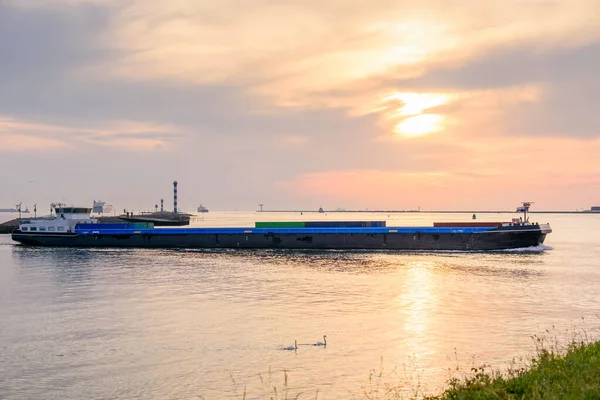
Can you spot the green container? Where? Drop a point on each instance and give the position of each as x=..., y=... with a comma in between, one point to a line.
x=279, y=224
x=141, y=225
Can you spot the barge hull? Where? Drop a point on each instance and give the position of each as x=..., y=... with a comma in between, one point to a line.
x=378, y=239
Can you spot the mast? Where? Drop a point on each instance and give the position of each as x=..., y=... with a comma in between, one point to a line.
x=525, y=209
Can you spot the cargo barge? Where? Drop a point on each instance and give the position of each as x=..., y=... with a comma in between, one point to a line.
x=73, y=227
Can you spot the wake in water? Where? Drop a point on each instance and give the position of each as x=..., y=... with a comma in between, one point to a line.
x=540, y=248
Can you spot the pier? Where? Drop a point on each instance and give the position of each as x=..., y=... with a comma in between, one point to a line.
x=9, y=226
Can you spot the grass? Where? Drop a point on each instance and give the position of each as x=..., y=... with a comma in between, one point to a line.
x=554, y=373
x=272, y=391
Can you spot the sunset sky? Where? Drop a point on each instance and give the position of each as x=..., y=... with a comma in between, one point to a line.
x=465, y=104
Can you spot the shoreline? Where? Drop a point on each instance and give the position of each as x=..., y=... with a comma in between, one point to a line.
x=428, y=211
x=391, y=211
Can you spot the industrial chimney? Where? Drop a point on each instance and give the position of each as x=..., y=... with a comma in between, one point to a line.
x=175, y=197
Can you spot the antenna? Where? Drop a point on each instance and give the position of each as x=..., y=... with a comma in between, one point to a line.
x=525, y=209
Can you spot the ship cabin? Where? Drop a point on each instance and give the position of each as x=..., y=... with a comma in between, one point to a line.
x=64, y=221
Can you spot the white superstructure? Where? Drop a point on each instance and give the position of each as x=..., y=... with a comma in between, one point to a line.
x=63, y=221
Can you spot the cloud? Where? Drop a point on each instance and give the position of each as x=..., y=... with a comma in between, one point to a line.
x=220, y=66
x=23, y=143
x=245, y=94
x=126, y=135
x=457, y=114
x=477, y=176
x=51, y=40
x=293, y=141
x=294, y=49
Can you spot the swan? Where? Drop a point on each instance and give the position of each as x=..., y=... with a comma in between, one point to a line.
x=323, y=343
x=294, y=347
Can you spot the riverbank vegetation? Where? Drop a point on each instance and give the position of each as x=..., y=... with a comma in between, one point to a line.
x=554, y=371
x=574, y=374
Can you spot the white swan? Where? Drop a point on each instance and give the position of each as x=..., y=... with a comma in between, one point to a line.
x=323, y=343
x=294, y=347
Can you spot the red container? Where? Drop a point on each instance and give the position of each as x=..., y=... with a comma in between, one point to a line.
x=466, y=224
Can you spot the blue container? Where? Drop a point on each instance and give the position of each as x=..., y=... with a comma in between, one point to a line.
x=98, y=227
x=345, y=224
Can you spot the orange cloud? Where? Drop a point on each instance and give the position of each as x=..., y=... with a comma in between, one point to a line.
x=18, y=135
x=491, y=175
x=14, y=143
x=411, y=114
x=289, y=50
x=291, y=141
x=341, y=55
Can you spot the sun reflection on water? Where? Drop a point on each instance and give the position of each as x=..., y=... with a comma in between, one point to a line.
x=416, y=303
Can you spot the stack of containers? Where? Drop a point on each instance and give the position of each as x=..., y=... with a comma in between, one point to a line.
x=133, y=225
x=321, y=224
x=279, y=224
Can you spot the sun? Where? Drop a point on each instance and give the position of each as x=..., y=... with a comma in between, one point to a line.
x=408, y=111
x=420, y=125
x=416, y=103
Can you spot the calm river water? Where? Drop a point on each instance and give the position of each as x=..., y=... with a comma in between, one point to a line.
x=183, y=324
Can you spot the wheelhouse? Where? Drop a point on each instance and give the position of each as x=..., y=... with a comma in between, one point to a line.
x=64, y=220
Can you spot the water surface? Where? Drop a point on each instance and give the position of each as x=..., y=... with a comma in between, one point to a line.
x=187, y=324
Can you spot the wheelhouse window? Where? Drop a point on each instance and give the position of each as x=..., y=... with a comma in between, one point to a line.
x=43, y=228
x=51, y=229
x=33, y=228
x=23, y=228
x=72, y=210
x=60, y=228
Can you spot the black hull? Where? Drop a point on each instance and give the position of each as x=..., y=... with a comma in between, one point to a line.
x=497, y=239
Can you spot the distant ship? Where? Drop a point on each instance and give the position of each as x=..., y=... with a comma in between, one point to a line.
x=14, y=210
x=100, y=207
x=202, y=209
